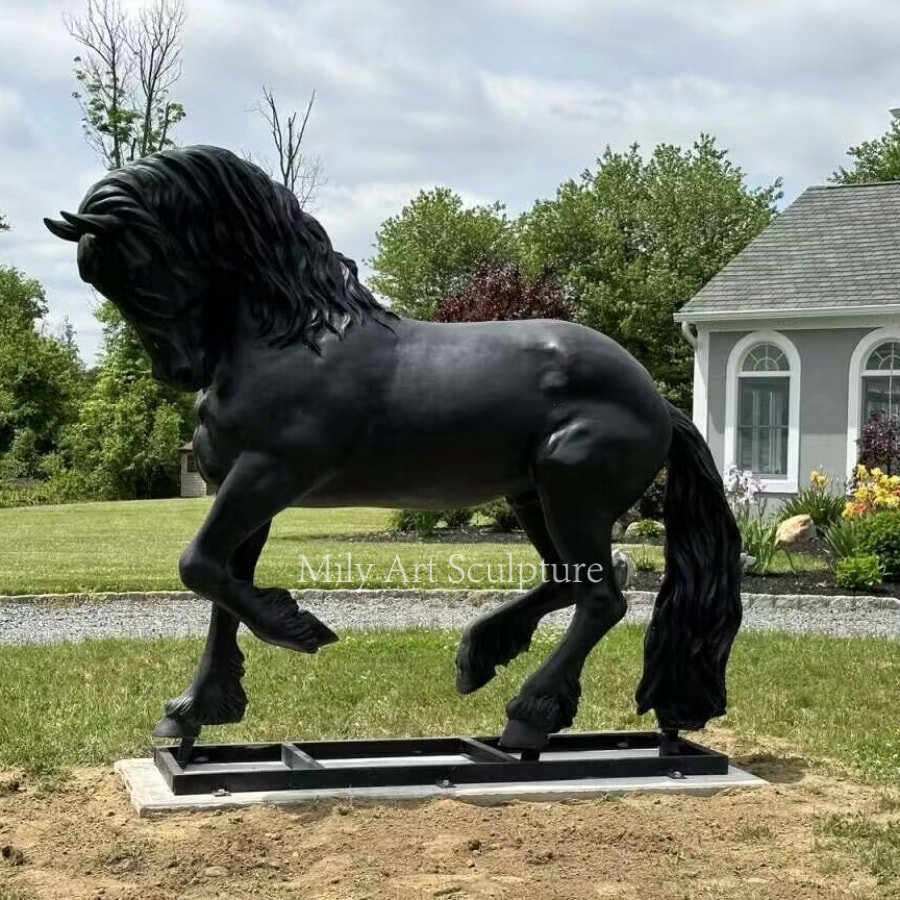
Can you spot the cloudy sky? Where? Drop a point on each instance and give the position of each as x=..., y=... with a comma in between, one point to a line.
x=499, y=99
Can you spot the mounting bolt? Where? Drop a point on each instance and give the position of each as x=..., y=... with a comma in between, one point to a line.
x=221, y=792
x=674, y=773
x=445, y=783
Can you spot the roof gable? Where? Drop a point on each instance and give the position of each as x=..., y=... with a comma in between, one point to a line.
x=835, y=247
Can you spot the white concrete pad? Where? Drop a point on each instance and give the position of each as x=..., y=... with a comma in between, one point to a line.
x=150, y=795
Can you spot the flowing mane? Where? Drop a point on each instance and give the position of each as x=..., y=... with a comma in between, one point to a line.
x=279, y=261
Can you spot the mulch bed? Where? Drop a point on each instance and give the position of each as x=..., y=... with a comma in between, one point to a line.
x=804, y=583
x=470, y=535
x=800, y=583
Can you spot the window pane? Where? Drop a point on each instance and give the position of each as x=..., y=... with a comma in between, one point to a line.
x=881, y=394
x=884, y=357
x=762, y=436
x=765, y=358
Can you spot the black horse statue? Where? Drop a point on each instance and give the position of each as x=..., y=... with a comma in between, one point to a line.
x=313, y=394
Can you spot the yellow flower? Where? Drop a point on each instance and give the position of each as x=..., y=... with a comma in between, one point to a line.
x=876, y=472
x=861, y=471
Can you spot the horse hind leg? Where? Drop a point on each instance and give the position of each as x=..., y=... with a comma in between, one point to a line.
x=587, y=481
x=497, y=637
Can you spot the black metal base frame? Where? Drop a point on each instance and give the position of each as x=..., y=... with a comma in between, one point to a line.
x=304, y=765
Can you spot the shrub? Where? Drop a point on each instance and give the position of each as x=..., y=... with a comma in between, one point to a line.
x=63, y=487
x=816, y=501
x=759, y=539
x=879, y=443
x=418, y=521
x=842, y=539
x=645, y=528
x=458, y=518
x=880, y=534
x=873, y=490
x=650, y=506
x=644, y=560
x=859, y=572
x=502, y=291
x=500, y=513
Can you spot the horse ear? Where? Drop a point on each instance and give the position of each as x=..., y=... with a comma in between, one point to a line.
x=63, y=230
x=91, y=223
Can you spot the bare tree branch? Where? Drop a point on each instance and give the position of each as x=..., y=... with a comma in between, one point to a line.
x=104, y=74
x=155, y=43
x=299, y=174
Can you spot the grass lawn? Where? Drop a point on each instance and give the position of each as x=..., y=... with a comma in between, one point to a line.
x=76, y=704
x=134, y=546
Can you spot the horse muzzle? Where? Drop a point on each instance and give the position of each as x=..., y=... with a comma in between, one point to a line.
x=185, y=375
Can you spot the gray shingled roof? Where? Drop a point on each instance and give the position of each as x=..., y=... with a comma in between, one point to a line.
x=834, y=247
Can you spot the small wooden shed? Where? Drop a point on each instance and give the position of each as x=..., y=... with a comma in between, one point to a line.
x=192, y=483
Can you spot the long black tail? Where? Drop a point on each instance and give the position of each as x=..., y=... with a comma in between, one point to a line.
x=698, y=610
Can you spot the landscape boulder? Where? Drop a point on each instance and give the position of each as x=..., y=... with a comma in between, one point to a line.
x=795, y=530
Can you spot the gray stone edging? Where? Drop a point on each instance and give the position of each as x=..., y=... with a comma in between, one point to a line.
x=472, y=598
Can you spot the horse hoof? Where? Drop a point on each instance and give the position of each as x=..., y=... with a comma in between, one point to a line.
x=175, y=729
x=472, y=671
x=306, y=634
x=469, y=680
x=487, y=644
x=320, y=632
x=278, y=621
x=519, y=735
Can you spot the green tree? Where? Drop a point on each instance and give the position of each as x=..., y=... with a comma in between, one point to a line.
x=23, y=300
x=634, y=239
x=876, y=160
x=125, y=442
x=41, y=379
x=433, y=247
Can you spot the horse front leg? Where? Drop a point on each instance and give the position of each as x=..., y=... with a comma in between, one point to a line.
x=216, y=695
x=255, y=490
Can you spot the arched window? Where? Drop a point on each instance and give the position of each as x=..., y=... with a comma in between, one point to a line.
x=762, y=410
x=764, y=398
x=881, y=381
x=874, y=384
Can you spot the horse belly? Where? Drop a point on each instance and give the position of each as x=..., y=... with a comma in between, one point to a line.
x=423, y=481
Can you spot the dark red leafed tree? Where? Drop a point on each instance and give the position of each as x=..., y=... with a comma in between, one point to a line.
x=879, y=443
x=501, y=292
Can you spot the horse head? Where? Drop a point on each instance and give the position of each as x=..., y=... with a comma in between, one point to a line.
x=197, y=246
x=135, y=264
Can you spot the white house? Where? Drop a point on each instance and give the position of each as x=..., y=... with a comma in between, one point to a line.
x=797, y=340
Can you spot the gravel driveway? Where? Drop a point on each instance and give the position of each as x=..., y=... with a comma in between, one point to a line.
x=43, y=621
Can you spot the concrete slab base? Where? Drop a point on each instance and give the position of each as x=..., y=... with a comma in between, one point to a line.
x=150, y=795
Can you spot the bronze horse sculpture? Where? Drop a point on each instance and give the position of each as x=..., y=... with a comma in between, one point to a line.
x=313, y=394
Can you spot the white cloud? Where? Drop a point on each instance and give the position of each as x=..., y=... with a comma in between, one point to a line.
x=501, y=100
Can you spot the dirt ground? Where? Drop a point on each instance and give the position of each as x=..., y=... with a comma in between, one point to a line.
x=84, y=842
